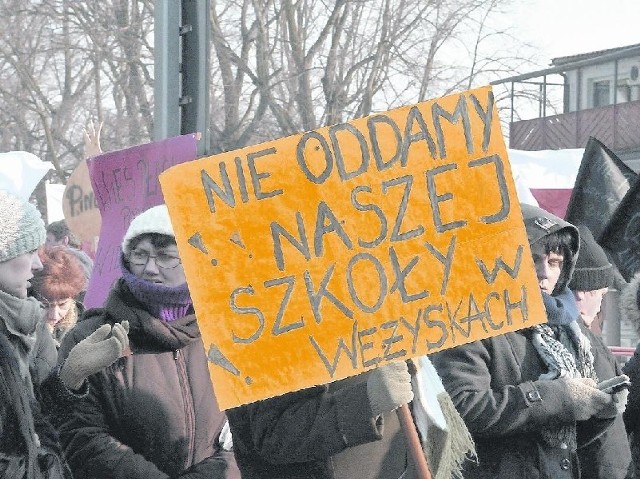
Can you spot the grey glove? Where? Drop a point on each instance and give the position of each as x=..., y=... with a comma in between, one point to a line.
x=389, y=387
x=94, y=353
x=588, y=400
x=620, y=398
x=616, y=407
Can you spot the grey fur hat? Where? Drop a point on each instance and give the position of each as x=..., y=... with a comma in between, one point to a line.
x=21, y=227
x=629, y=303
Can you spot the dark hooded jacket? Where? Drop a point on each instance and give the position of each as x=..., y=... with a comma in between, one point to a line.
x=630, y=301
x=495, y=386
x=23, y=425
x=609, y=455
x=151, y=414
x=540, y=223
x=324, y=432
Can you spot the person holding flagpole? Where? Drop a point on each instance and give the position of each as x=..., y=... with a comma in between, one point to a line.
x=350, y=429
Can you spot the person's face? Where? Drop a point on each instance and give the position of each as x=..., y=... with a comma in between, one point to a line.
x=150, y=271
x=16, y=273
x=548, y=267
x=57, y=310
x=589, y=303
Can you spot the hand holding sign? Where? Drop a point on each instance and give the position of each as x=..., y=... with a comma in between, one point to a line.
x=92, y=140
x=389, y=387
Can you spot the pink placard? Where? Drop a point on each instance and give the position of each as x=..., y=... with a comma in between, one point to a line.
x=125, y=183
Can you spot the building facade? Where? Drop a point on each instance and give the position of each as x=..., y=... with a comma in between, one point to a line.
x=594, y=94
x=591, y=94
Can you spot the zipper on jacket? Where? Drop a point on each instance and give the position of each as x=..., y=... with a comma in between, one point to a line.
x=183, y=376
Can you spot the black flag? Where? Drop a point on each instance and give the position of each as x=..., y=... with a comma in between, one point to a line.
x=621, y=236
x=601, y=183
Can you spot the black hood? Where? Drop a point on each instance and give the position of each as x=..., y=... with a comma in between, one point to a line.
x=540, y=223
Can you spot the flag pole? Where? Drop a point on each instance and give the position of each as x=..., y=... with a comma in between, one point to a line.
x=413, y=442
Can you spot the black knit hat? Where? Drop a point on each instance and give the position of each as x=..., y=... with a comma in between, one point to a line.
x=593, y=269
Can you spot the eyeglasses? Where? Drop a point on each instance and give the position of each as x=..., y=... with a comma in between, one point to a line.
x=163, y=260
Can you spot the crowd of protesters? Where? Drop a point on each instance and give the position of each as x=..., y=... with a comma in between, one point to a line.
x=124, y=391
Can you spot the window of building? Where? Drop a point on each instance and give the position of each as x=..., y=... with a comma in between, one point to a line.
x=601, y=96
x=624, y=92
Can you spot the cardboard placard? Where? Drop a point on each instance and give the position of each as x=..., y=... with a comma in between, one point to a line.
x=318, y=256
x=125, y=183
x=79, y=205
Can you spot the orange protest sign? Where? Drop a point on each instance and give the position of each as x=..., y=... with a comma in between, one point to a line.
x=318, y=256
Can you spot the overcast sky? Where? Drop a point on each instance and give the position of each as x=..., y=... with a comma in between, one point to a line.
x=568, y=27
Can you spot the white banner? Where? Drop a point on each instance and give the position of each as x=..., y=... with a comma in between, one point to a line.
x=21, y=171
x=54, y=194
x=546, y=169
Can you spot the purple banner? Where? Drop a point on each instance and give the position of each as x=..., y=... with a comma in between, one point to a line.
x=125, y=183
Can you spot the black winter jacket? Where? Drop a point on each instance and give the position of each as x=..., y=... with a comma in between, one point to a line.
x=495, y=386
x=324, y=432
x=609, y=455
x=152, y=414
x=23, y=425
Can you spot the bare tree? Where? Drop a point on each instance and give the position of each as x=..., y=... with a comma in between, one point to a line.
x=282, y=67
x=278, y=67
x=75, y=61
x=118, y=35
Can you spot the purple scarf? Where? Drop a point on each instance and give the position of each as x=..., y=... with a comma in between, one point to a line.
x=164, y=302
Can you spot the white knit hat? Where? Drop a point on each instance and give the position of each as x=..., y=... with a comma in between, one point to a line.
x=153, y=220
x=21, y=227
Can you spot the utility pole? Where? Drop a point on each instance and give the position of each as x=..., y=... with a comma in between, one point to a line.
x=181, y=89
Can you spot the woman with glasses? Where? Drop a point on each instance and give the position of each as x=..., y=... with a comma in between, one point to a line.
x=153, y=413
x=56, y=286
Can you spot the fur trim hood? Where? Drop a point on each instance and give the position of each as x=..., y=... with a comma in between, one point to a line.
x=629, y=303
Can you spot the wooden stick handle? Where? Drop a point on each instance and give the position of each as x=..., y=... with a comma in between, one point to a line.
x=413, y=442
